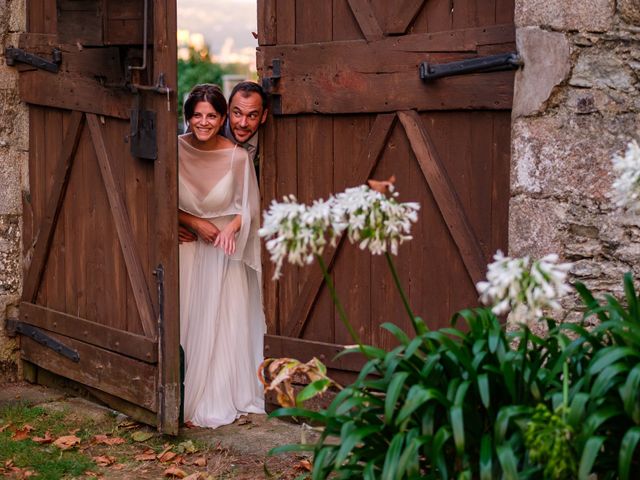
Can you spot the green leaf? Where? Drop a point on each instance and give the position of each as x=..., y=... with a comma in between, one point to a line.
x=392, y=458
x=298, y=412
x=577, y=409
x=608, y=356
x=393, y=393
x=437, y=451
x=410, y=460
x=589, y=454
x=607, y=379
x=505, y=415
x=350, y=438
x=629, y=394
x=630, y=294
x=457, y=425
x=397, y=332
x=486, y=458
x=590, y=302
x=416, y=397
x=627, y=449
x=484, y=390
x=321, y=463
x=597, y=418
x=290, y=448
x=508, y=462
x=313, y=389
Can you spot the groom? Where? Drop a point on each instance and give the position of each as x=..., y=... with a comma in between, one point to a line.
x=248, y=109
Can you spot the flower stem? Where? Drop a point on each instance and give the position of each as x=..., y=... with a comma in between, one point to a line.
x=405, y=301
x=341, y=313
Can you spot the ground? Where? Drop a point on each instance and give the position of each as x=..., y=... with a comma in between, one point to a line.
x=47, y=434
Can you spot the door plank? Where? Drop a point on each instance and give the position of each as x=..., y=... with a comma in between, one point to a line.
x=404, y=11
x=376, y=142
x=444, y=194
x=73, y=93
x=367, y=20
x=267, y=26
x=123, y=229
x=130, y=344
x=54, y=206
x=124, y=377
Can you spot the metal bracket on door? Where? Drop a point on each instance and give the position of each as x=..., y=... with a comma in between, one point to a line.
x=491, y=63
x=269, y=83
x=143, y=134
x=14, y=55
x=43, y=339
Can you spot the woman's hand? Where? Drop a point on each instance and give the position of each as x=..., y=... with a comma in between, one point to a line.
x=227, y=240
x=206, y=230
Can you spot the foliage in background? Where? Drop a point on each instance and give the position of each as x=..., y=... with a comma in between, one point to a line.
x=200, y=69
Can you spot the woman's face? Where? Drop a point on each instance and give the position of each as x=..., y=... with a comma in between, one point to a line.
x=205, y=122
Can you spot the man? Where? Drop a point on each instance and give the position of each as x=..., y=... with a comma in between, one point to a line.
x=248, y=109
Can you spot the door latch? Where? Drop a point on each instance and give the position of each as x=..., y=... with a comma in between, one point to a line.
x=14, y=55
x=490, y=63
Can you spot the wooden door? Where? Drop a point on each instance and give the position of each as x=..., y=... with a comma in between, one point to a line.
x=100, y=243
x=348, y=105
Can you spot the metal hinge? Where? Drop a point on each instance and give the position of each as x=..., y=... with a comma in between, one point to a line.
x=14, y=55
x=159, y=274
x=491, y=63
x=15, y=326
x=270, y=82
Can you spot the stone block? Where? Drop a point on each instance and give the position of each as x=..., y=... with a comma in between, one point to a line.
x=601, y=69
x=546, y=64
x=534, y=226
x=629, y=11
x=564, y=156
x=11, y=181
x=10, y=264
x=566, y=15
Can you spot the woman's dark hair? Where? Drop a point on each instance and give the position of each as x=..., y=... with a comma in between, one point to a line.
x=205, y=92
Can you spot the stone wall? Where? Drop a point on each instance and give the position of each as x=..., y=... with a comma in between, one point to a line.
x=577, y=103
x=14, y=144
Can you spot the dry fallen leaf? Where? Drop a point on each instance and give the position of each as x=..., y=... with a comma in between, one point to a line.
x=4, y=427
x=200, y=462
x=118, y=466
x=104, y=460
x=74, y=431
x=167, y=456
x=175, y=472
x=146, y=456
x=105, y=439
x=66, y=442
x=382, y=186
x=89, y=473
x=303, y=466
x=43, y=440
x=22, y=473
x=21, y=433
x=197, y=476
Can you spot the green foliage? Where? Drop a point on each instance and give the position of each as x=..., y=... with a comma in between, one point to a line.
x=548, y=439
x=477, y=402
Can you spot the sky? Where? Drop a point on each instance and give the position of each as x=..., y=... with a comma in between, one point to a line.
x=225, y=24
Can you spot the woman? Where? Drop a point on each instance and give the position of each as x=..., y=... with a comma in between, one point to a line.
x=221, y=317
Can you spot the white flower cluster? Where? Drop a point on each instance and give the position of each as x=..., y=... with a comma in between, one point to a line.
x=626, y=186
x=523, y=287
x=374, y=220
x=297, y=232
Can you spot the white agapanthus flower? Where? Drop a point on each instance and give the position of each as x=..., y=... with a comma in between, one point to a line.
x=298, y=232
x=626, y=186
x=373, y=220
x=522, y=287
x=295, y=231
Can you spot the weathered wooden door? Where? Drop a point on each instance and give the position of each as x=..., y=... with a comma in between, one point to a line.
x=101, y=282
x=349, y=104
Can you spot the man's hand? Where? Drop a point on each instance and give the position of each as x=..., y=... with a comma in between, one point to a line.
x=185, y=235
x=206, y=230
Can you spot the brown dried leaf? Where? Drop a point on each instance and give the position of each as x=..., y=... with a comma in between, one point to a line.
x=146, y=456
x=200, y=462
x=175, y=472
x=74, y=431
x=66, y=442
x=43, y=440
x=118, y=466
x=21, y=433
x=89, y=473
x=4, y=427
x=167, y=456
x=105, y=439
x=104, y=460
x=303, y=466
x=382, y=186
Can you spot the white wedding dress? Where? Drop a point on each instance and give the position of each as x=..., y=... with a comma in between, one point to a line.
x=221, y=316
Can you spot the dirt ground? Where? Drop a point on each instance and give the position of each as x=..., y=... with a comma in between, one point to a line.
x=115, y=447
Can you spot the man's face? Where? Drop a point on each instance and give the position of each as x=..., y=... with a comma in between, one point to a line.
x=246, y=115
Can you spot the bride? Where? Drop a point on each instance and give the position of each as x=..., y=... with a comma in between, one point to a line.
x=221, y=317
